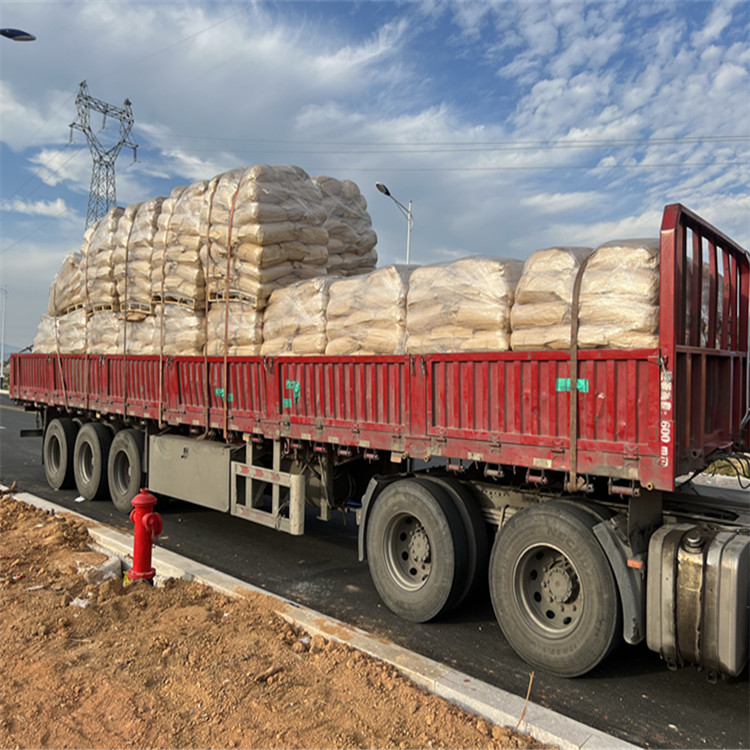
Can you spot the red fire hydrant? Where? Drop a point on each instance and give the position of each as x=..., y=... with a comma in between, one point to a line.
x=147, y=527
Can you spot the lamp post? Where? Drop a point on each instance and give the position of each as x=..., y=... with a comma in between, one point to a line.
x=408, y=215
x=4, y=292
x=17, y=35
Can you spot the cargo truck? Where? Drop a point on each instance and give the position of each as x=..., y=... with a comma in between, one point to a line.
x=549, y=476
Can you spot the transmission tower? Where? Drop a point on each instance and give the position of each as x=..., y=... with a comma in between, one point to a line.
x=102, y=195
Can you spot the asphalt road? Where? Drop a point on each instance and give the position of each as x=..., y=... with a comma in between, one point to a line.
x=631, y=695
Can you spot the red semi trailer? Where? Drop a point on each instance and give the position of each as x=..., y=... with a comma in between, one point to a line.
x=552, y=474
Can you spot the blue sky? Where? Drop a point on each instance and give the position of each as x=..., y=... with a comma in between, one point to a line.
x=512, y=125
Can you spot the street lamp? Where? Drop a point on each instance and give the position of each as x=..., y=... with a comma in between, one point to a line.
x=17, y=35
x=408, y=215
x=4, y=292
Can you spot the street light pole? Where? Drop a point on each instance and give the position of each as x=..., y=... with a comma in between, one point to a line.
x=408, y=215
x=4, y=292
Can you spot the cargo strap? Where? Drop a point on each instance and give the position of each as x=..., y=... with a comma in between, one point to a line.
x=574, y=484
x=124, y=308
x=206, y=268
x=163, y=309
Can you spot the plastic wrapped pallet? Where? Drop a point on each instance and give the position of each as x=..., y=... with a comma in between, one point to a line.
x=178, y=331
x=619, y=301
x=273, y=218
x=238, y=324
x=132, y=258
x=176, y=267
x=105, y=333
x=461, y=306
x=351, y=238
x=540, y=317
x=45, y=340
x=140, y=336
x=295, y=320
x=66, y=290
x=72, y=332
x=98, y=265
x=367, y=314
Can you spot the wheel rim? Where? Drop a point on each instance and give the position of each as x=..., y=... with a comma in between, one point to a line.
x=85, y=462
x=54, y=453
x=408, y=552
x=548, y=589
x=120, y=473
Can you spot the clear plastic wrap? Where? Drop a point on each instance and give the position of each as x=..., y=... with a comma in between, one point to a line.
x=45, y=340
x=105, y=333
x=619, y=303
x=66, y=291
x=540, y=318
x=351, y=238
x=367, y=314
x=71, y=333
x=463, y=305
x=132, y=258
x=178, y=331
x=237, y=323
x=176, y=267
x=97, y=262
x=274, y=216
x=295, y=320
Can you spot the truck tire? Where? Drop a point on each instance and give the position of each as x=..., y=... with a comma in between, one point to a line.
x=553, y=591
x=416, y=550
x=125, y=468
x=476, y=533
x=59, y=442
x=90, y=460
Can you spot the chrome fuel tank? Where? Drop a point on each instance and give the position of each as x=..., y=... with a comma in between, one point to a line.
x=697, y=597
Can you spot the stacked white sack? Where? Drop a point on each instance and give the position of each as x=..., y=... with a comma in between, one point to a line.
x=178, y=331
x=540, y=318
x=45, y=340
x=238, y=324
x=273, y=217
x=351, y=238
x=132, y=258
x=176, y=267
x=105, y=333
x=66, y=290
x=619, y=305
x=98, y=265
x=367, y=314
x=461, y=306
x=295, y=320
x=71, y=333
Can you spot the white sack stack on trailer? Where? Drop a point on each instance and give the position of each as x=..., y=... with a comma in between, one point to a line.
x=295, y=320
x=461, y=306
x=98, y=264
x=266, y=231
x=176, y=267
x=540, y=318
x=367, y=314
x=66, y=290
x=132, y=258
x=619, y=304
x=351, y=238
x=236, y=326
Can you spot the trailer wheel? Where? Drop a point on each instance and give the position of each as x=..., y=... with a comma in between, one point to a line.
x=476, y=533
x=416, y=550
x=124, y=468
x=553, y=591
x=59, y=441
x=90, y=460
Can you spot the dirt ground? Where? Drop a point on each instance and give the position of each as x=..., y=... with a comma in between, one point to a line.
x=90, y=664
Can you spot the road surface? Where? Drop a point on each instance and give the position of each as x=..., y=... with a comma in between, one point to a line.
x=631, y=695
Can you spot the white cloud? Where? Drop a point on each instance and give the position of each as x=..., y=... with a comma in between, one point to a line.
x=57, y=207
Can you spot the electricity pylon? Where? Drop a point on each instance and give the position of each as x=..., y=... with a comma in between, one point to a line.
x=102, y=195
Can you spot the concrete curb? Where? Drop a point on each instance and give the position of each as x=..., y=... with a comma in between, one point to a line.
x=494, y=704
